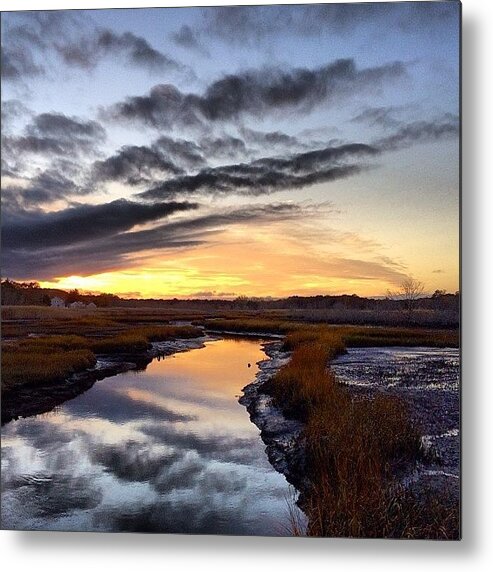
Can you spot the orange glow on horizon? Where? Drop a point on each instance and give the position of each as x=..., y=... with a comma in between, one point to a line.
x=259, y=267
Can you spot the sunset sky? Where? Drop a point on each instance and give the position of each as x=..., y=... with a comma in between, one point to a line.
x=217, y=152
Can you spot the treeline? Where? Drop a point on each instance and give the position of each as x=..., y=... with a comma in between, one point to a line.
x=30, y=293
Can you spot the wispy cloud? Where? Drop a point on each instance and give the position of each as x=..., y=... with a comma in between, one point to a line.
x=82, y=223
x=89, y=50
x=55, y=134
x=134, y=165
x=33, y=39
x=187, y=38
x=264, y=176
x=97, y=238
x=253, y=92
x=254, y=24
x=445, y=127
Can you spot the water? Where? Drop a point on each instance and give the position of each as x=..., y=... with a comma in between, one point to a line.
x=427, y=379
x=426, y=369
x=168, y=449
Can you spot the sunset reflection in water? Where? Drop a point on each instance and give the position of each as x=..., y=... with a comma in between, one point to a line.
x=168, y=449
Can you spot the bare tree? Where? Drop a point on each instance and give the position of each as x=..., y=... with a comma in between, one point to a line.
x=409, y=292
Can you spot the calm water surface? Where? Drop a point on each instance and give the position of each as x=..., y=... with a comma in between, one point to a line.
x=168, y=449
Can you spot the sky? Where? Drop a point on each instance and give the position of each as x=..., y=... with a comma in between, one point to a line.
x=219, y=152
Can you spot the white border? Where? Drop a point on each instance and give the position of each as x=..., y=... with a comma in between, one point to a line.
x=82, y=552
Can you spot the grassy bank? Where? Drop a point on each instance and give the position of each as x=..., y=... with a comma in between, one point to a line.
x=351, y=336
x=22, y=365
x=138, y=338
x=355, y=448
x=51, y=359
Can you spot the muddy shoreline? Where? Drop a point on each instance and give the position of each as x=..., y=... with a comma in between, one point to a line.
x=280, y=435
x=286, y=450
x=29, y=400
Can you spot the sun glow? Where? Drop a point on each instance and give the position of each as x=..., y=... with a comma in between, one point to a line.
x=254, y=268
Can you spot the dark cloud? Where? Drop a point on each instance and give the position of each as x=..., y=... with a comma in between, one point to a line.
x=311, y=161
x=54, y=496
x=188, y=154
x=48, y=186
x=225, y=147
x=52, y=134
x=379, y=116
x=8, y=169
x=60, y=181
x=253, y=24
x=62, y=126
x=81, y=223
x=134, y=165
x=185, y=37
x=253, y=92
x=217, y=447
x=137, y=165
x=12, y=109
x=445, y=127
x=256, y=213
x=267, y=175
x=225, y=181
x=16, y=64
x=29, y=36
x=164, y=107
x=86, y=52
x=100, y=243
x=132, y=461
x=35, y=144
x=270, y=138
x=33, y=40
x=197, y=516
x=88, y=258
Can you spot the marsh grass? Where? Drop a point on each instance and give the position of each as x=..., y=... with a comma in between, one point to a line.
x=138, y=339
x=356, y=448
x=55, y=321
x=250, y=325
x=358, y=336
x=126, y=342
x=351, y=336
x=20, y=321
x=49, y=359
x=31, y=363
x=40, y=312
x=169, y=332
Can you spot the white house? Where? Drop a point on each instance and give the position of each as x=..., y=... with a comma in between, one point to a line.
x=57, y=302
x=91, y=305
x=77, y=305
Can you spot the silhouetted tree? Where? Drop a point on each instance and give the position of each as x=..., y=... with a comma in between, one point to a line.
x=73, y=296
x=409, y=293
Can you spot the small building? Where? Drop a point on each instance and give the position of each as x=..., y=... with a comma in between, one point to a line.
x=77, y=305
x=91, y=306
x=57, y=302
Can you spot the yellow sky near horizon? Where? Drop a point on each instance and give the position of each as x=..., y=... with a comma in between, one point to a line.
x=278, y=260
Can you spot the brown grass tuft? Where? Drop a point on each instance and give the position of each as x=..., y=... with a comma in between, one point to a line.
x=354, y=450
x=50, y=359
